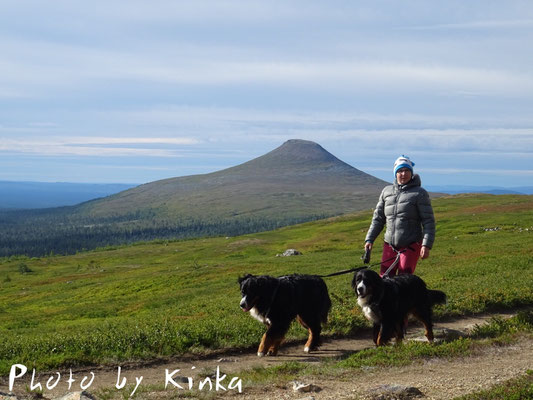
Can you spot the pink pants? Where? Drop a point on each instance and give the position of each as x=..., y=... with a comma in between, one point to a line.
x=408, y=259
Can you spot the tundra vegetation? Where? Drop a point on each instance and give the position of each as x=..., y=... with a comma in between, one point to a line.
x=163, y=298
x=293, y=183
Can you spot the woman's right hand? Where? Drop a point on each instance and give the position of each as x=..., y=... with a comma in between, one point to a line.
x=368, y=246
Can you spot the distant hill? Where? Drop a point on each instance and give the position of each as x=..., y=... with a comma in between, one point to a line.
x=23, y=195
x=299, y=181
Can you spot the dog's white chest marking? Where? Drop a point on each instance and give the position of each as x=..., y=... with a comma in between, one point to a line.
x=371, y=315
x=368, y=311
x=254, y=313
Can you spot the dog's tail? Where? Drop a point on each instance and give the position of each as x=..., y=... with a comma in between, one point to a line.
x=437, y=297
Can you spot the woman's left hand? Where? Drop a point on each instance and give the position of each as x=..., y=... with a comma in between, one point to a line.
x=424, y=252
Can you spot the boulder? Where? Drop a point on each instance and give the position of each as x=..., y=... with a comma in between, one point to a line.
x=289, y=252
x=395, y=392
x=305, y=387
x=76, y=396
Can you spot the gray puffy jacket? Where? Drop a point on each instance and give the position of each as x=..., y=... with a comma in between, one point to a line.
x=407, y=212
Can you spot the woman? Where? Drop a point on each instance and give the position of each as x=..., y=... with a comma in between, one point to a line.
x=405, y=209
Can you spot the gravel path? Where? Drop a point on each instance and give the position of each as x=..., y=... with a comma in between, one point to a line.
x=435, y=379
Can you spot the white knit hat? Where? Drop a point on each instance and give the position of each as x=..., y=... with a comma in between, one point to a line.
x=403, y=162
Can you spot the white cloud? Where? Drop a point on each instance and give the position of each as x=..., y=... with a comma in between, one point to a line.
x=487, y=24
x=434, y=133
x=96, y=146
x=324, y=119
x=461, y=142
x=76, y=141
x=31, y=66
x=139, y=13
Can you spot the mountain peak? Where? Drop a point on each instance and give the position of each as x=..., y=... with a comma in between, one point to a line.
x=295, y=155
x=300, y=143
x=303, y=150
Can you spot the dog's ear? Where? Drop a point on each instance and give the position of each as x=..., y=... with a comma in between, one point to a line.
x=243, y=278
x=378, y=278
x=354, y=281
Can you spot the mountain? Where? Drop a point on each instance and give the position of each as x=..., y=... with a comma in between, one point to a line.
x=297, y=182
x=53, y=194
x=299, y=177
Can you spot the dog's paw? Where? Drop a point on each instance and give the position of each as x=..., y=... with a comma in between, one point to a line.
x=259, y=354
x=308, y=349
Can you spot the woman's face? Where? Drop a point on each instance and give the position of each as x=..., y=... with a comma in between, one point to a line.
x=403, y=176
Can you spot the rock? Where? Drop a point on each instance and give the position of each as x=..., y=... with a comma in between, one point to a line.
x=27, y=396
x=449, y=335
x=7, y=396
x=227, y=360
x=182, y=379
x=305, y=387
x=395, y=392
x=289, y=252
x=77, y=396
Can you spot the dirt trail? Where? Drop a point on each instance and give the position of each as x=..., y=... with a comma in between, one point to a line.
x=436, y=379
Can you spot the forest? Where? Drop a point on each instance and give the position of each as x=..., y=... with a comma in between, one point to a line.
x=36, y=233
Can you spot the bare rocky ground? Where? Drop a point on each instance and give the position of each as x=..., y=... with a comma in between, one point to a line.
x=433, y=379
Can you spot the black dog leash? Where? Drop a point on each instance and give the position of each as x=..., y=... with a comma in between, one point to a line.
x=366, y=258
x=346, y=271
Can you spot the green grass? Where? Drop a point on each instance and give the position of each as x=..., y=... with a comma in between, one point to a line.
x=169, y=297
x=496, y=332
x=285, y=372
x=499, y=327
x=515, y=389
x=389, y=356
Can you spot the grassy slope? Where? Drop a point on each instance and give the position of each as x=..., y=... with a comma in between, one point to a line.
x=169, y=297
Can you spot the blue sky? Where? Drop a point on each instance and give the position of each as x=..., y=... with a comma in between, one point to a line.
x=136, y=91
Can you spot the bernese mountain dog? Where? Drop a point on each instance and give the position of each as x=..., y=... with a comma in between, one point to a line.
x=276, y=302
x=388, y=301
